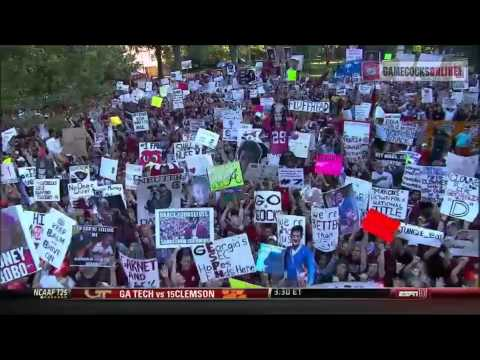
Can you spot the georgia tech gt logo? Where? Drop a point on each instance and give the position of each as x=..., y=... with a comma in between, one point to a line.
x=97, y=294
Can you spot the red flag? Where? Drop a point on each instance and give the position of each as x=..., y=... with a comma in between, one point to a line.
x=380, y=225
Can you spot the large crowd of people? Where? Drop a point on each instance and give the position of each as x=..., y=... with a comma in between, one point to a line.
x=359, y=256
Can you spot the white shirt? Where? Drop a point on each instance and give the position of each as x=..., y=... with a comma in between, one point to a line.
x=54, y=146
x=386, y=184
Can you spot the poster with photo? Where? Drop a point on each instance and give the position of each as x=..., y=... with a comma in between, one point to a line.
x=345, y=199
x=285, y=223
x=183, y=227
x=92, y=245
x=79, y=173
x=157, y=192
x=18, y=257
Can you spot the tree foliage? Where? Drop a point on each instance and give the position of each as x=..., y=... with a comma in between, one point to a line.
x=39, y=77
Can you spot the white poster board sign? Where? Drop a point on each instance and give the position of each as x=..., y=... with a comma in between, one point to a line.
x=291, y=177
x=300, y=145
x=427, y=96
x=108, y=168
x=325, y=227
x=132, y=174
x=8, y=174
x=224, y=258
x=462, y=165
x=207, y=138
x=418, y=235
x=309, y=106
x=461, y=197
x=140, y=121
x=46, y=190
x=267, y=205
x=390, y=202
x=140, y=273
x=56, y=237
x=361, y=112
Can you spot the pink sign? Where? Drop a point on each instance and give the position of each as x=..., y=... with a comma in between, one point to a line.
x=329, y=164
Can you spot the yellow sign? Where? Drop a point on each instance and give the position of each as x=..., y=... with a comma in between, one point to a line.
x=157, y=101
x=291, y=75
x=8, y=160
x=238, y=284
x=225, y=176
x=115, y=121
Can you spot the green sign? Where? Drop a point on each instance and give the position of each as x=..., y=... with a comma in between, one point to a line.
x=387, y=56
x=157, y=101
x=225, y=176
x=291, y=75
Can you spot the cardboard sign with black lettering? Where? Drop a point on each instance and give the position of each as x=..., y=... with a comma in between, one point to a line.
x=141, y=273
x=224, y=258
x=356, y=140
x=183, y=227
x=267, y=205
x=56, y=237
x=285, y=223
x=46, y=190
x=461, y=197
x=184, y=149
x=418, y=235
x=140, y=121
x=177, y=101
x=291, y=178
x=27, y=175
x=401, y=134
x=18, y=257
x=434, y=183
x=81, y=190
x=325, y=227
x=390, y=202
x=74, y=141
x=79, y=173
x=309, y=106
x=93, y=245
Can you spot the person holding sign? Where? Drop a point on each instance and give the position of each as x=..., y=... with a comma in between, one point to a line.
x=278, y=130
x=299, y=261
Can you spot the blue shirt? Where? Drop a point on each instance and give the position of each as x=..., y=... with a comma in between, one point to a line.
x=296, y=263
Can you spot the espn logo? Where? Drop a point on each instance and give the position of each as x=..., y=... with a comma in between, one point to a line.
x=412, y=294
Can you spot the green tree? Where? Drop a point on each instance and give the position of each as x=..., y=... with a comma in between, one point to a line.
x=60, y=77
